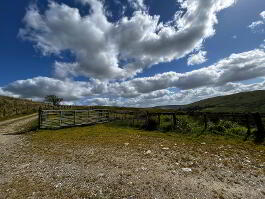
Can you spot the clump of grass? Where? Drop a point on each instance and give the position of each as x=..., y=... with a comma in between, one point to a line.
x=224, y=127
x=29, y=127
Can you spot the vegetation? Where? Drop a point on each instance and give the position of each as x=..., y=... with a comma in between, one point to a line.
x=14, y=107
x=53, y=99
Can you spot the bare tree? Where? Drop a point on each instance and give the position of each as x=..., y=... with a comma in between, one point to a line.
x=55, y=100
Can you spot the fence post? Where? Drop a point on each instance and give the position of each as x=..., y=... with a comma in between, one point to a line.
x=87, y=116
x=108, y=116
x=259, y=134
x=74, y=117
x=147, y=119
x=40, y=112
x=205, y=122
x=133, y=119
x=61, y=115
x=174, y=120
x=159, y=120
x=248, y=126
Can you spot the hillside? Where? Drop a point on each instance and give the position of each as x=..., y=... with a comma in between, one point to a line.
x=10, y=107
x=253, y=101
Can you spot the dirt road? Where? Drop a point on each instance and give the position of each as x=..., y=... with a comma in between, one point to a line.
x=9, y=129
x=105, y=161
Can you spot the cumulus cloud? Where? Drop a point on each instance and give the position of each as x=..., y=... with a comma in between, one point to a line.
x=226, y=72
x=137, y=4
x=198, y=58
x=166, y=97
x=39, y=87
x=105, y=50
x=7, y=93
x=235, y=68
x=257, y=26
x=262, y=14
x=254, y=24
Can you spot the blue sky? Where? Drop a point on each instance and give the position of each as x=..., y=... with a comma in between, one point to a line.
x=117, y=52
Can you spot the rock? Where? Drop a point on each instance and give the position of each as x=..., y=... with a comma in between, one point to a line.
x=144, y=168
x=100, y=175
x=187, y=169
x=165, y=148
x=203, y=143
x=126, y=144
x=24, y=166
x=58, y=185
x=148, y=152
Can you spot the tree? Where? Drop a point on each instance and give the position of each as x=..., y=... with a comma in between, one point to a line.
x=55, y=100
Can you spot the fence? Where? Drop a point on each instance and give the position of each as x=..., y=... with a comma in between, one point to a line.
x=249, y=120
x=53, y=119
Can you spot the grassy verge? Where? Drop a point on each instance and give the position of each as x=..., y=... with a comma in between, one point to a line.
x=110, y=161
x=111, y=134
x=15, y=116
x=29, y=127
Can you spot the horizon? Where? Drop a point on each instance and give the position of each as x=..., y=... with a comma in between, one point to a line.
x=133, y=53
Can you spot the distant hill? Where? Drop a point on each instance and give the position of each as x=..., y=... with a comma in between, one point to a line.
x=253, y=101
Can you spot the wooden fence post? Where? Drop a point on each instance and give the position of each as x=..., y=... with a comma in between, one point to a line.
x=74, y=117
x=159, y=119
x=108, y=115
x=40, y=113
x=248, y=126
x=174, y=121
x=61, y=117
x=205, y=122
x=259, y=134
x=147, y=119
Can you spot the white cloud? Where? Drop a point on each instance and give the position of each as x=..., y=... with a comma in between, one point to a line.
x=183, y=97
x=254, y=24
x=223, y=74
x=7, y=93
x=262, y=14
x=119, y=50
x=39, y=87
x=109, y=51
x=257, y=26
x=137, y=4
x=198, y=58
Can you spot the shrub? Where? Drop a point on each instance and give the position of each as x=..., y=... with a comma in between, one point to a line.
x=226, y=127
x=183, y=124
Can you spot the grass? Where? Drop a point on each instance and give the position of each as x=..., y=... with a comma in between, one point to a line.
x=111, y=134
x=75, y=157
x=112, y=137
x=15, y=116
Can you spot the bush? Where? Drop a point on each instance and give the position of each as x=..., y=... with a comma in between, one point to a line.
x=183, y=124
x=226, y=127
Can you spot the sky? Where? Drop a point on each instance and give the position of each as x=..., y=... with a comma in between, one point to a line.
x=138, y=53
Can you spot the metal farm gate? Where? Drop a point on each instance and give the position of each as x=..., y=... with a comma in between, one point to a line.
x=54, y=119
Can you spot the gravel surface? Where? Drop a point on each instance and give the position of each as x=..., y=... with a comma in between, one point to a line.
x=152, y=168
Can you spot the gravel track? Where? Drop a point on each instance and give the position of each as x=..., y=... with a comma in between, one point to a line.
x=154, y=168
